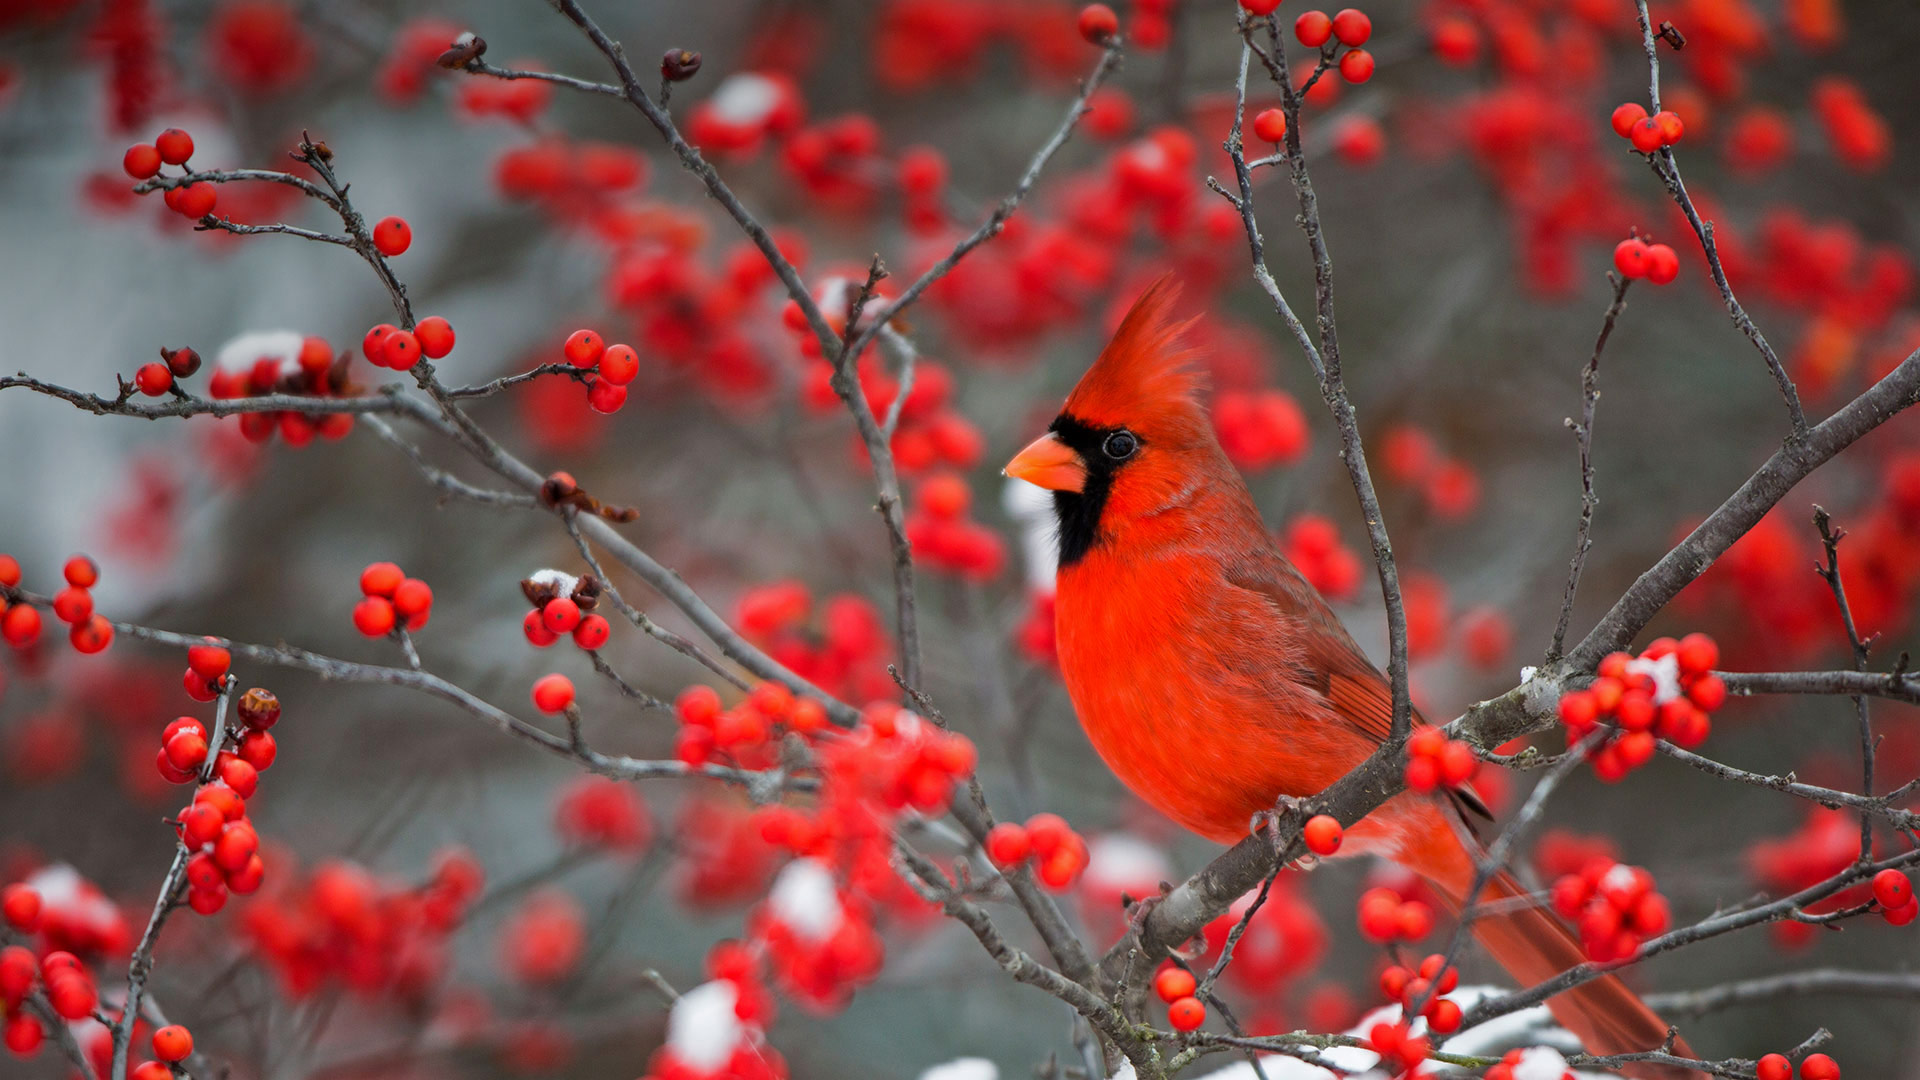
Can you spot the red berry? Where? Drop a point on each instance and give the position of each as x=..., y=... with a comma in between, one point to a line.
x=561, y=615
x=1356, y=66
x=1625, y=117
x=1819, y=1067
x=1457, y=763
x=238, y=774
x=606, y=396
x=583, y=348
x=374, y=616
x=187, y=751
x=74, y=997
x=200, y=823
x=1697, y=653
x=9, y=570
x=392, y=236
x=1630, y=257
x=210, y=662
x=1892, y=888
x=370, y=344
x=258, y=749
x=1352, y=27
x=552, y=693
x=23, y=1033
x=20, y=625
x=1098, y=23
x=73, y=605
x=92, y=636
x=399, y=350
x=141, y=161
x=1313, y=29
x=412, y=599
x=435, y=336
x=172, y=1043
x=1322, y=834
x=81, y=572
x=381, y=579
x=20, y=905
x=536, y=630
x=174, y=146
x=1008, y=845
x=195, y=200
x=619, y=364
x=153, y=379
x=592, y=632
x=1663, y=264
x=1444, y=1016
x=1260, y=7
x=207, y=901
x=1270, y=125
x=1646, y=135
x=236, y=845
x=1671, y=129
x=1186, y=1014
x=1423, y=773
x=698, y=705
x=1773, y=1067
x=1174, y=983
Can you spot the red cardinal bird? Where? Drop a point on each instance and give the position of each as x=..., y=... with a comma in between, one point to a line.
x=1212, y=678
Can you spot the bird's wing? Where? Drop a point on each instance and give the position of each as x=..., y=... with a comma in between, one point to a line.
x=1331, y=663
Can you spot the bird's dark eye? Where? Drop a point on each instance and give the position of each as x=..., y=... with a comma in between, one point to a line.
x=1120, y=445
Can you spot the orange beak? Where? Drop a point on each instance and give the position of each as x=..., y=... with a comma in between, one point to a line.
x=1049, y=463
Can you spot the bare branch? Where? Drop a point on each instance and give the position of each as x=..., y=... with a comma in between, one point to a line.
x=1583, y=432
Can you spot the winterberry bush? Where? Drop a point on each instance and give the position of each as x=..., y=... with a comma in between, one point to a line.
x=563, y=619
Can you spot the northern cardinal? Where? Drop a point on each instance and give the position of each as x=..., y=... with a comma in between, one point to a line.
x=1213, y=678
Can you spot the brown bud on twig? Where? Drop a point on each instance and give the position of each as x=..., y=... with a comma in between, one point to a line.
x=587, y=593
x=465, y=49
x=259, y=708
x=559, y=487
x=679, y=65
x=182, y=361
x=537, y=592
x=1671, y=34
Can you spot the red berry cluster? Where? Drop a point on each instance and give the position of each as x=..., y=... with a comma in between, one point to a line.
x=248, y=751
x=1666, y=693
x=1615, y=907
x=942, y=535
x=1312, y=544
x=20, y=622
x=225, y=847
x=390, y=600
x=1435, y=761
x=1387, y=916
x=1635, y=258
x=388, y=346
x=748, y=733
x=613, y=367
x=1176, y=986
x=817, y=934
x=563, y=604
x=542, y=942
x=1647, y=133
x=1350, y=27
x=1893, y=891
x=1058, y=853
x=837, y=162
x=1859, y=135
x=1400, y=1050
x=311, y=370
x=143, y=161
x=1448, y=485
x=1812, y=1067
x=1427, y=984
x=839, y=644
x=717, y=1030
x=520, y=101
x=1260, y=428
x=341, y=926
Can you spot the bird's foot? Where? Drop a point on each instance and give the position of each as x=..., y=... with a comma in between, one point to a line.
x=1269, y=821
x=1139, y=911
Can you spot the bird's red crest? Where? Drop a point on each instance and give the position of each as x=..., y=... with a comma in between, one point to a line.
x=1146, y=372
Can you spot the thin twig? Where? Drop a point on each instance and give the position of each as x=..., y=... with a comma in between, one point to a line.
x=1583, y=432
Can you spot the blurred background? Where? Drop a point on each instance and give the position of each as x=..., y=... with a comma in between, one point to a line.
x=1471, y=191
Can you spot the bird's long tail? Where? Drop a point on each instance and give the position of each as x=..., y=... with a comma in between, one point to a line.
x=1534, y=945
